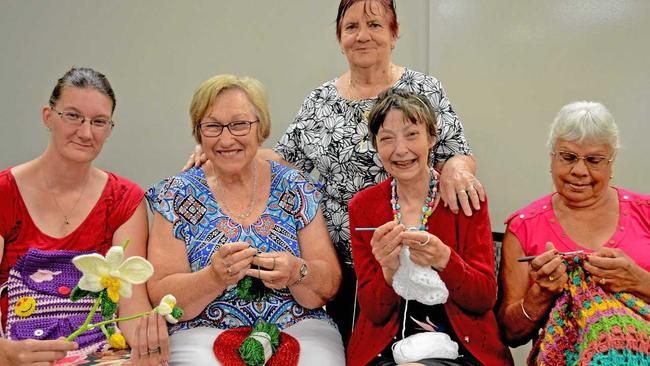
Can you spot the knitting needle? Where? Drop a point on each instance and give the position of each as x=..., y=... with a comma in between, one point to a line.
x=365, y=229
x=531, y=257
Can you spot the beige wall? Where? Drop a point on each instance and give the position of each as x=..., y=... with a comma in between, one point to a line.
x=508, y=66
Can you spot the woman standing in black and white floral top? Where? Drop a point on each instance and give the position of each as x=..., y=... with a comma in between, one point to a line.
x=329, y=134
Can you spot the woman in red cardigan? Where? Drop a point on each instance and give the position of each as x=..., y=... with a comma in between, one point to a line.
x=456, y=249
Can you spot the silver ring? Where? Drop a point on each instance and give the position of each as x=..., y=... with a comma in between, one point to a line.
x=423, y=243
x=153, y=350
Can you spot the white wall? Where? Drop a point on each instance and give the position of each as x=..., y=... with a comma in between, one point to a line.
x=508, y=66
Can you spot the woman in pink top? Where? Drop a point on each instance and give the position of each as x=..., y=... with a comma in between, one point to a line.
x=585, y=213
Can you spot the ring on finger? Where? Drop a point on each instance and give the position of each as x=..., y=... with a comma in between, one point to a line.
x=461, y=191
x=602, y=281
x=423, y=243
x=471, y=189
x=155, y=349
x=229, y=270
x=551, y=278
x=259, y=273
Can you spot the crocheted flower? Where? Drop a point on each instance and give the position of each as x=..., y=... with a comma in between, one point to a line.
x=112, y=272
x=169, y=310
x=117, y=340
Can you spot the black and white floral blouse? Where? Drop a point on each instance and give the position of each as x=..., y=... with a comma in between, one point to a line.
x=330, y=134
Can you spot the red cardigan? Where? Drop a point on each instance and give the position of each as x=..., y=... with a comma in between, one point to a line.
x=469, y=276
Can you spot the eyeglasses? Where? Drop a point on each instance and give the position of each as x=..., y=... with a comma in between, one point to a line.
x=594, y=162
x=236, y=128
x=75, y=119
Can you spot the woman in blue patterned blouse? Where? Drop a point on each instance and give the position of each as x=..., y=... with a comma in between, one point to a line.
x=237, y=218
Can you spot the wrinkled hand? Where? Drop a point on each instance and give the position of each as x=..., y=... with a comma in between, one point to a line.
x=615, y=271
x=196, y=159
x=152, y=342
x=459, y=185
x=548, y=271
x=230, y=263
x=426, y=249
x=277, y=270
x=33, y=352
x=386, y=244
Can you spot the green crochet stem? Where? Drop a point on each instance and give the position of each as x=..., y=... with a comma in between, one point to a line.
x=252, y=351
x=87, y=325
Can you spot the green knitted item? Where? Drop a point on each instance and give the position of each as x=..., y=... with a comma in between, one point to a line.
x=252, y=289
x=252, y=350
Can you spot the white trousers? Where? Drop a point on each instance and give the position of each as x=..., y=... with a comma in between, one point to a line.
x=320, y=344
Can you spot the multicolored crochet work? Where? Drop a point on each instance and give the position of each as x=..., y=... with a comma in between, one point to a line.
x=590, y=326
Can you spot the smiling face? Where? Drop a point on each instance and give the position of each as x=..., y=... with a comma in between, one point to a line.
x=230, y=154
x=25, y=306
x=78, y=143
x=366, y=36
x=404, y=147
x=578, y=184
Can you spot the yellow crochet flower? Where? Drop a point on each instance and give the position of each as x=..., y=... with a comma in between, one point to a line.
x=117, y=341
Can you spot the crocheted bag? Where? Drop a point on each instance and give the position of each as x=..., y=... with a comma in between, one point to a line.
x=39, y=286
x=590, y=326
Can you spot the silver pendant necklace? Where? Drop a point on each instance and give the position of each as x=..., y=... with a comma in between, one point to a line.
x=246, y=214
x=66, y=215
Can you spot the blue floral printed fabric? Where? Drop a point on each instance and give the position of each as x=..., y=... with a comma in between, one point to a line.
x=187, y=202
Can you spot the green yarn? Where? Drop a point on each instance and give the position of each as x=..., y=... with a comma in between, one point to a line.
x=252, y=289
x=252, y=351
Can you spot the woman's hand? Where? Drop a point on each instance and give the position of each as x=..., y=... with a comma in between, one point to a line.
x=459, y=185
x=33, y=352
x=427, y=249
x=280, y=269
x=615, y=271
x=231, y=262
x=152, y=342
x=196, y=159
x=386, y=244
x=548, y=271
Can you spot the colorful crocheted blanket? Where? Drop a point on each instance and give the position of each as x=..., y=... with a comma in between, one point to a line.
x=590, y=326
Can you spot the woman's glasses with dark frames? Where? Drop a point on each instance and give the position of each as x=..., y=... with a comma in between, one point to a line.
x=236, y=128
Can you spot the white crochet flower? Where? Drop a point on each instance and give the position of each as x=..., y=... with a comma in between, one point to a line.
x=167, y=304
x=112, y=272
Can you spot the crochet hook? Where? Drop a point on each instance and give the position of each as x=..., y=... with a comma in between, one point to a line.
x=531, y=257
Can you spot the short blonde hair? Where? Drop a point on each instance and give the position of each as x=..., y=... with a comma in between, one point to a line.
x=206, y=93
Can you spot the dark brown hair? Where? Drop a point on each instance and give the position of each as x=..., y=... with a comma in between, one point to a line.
x=389, y=6
x=83, y=77
x=415, y=107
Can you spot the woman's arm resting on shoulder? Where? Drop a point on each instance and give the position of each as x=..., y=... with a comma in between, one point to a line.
x=198, y=158
x=33, y=352
x=458, y=184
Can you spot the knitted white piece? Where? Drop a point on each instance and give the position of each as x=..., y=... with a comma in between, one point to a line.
x=415, y=282
x=424, y=345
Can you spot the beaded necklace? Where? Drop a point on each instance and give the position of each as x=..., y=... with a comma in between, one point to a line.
x=427, y=207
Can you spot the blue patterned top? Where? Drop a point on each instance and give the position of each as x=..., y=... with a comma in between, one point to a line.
x=187, y=202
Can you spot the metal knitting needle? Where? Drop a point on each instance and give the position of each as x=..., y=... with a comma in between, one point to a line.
x=531, y=257
x=365, y=229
